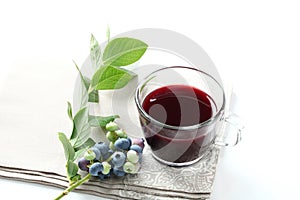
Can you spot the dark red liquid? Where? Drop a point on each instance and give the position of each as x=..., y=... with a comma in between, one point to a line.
x=177, y=105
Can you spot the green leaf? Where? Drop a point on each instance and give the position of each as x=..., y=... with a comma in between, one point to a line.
x=123, y=51
x=92, y=96
x=75, y=178
x=109, y=78
x=80, y=150
x=95, y=52
x=72, y=169
x=99, y=121
x=84, y=93
x=82, y=129
x=68, y=149
x=79, y=153
x=89, y=143
x=84, y=82
x=70, y=111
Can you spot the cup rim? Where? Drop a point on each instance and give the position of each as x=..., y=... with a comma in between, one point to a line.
x=191, y=127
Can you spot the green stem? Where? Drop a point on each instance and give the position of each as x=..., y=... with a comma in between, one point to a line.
x=78, y=183
x=73, y=186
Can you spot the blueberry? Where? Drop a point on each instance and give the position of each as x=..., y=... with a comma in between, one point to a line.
x=130, y=141
x=103, y=176
x=118, y=159
x=96, y=168
x=118, y=171
x=132, y=156
x=129, y=168
x=111, y=126
x=83, y=164
x=122, y=143
x=106, y=168
x=139, y=141
x=97, y=152
x=112, y=136
x=89, y=155
x=136, y=148
x=121, y=133
x=103, y=148
x=108, y=154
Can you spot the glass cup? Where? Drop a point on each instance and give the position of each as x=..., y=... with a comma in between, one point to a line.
x=182, y=144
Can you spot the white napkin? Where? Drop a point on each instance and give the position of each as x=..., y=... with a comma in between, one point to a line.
x=32, y=111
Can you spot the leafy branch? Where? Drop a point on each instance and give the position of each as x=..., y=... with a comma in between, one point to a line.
x=109, y=75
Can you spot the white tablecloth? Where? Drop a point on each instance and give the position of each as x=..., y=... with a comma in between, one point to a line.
x=254, y=44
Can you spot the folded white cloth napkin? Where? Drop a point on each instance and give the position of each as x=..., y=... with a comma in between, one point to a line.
x=32, y=111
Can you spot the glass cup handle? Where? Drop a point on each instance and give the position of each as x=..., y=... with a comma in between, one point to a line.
x=234, y=121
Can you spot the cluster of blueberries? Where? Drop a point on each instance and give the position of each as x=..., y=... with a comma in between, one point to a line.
x=123, y=155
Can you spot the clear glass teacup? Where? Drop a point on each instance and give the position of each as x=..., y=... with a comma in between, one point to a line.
x=181, y=111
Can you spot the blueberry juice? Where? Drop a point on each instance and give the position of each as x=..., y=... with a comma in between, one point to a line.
x=178, y=129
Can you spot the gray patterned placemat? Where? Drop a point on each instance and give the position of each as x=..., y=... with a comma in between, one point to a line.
x=154, y=181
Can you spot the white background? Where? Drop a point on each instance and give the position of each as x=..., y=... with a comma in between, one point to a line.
x=254, y=44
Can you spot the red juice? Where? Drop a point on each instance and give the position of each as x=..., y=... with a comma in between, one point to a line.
x=178, y=106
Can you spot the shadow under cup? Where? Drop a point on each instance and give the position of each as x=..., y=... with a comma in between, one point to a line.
x=182, y=143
